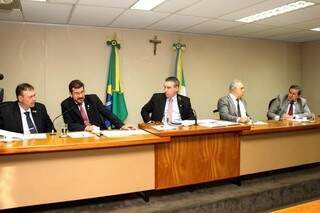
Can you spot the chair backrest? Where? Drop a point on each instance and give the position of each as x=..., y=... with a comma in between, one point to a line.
x=270, y=102
x=215, y=110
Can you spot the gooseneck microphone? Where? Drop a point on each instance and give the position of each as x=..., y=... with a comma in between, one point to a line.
x=68, y=110
x=195, y=117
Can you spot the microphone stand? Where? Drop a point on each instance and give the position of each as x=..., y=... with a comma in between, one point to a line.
x=195, y=118
x=53, y=130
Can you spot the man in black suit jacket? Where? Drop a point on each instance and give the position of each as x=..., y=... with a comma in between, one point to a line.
x=85, y=112
x=13, y=115
x=158, y=104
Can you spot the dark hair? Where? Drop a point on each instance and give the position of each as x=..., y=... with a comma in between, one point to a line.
x=23, y=87
x=174, y=80
x=296, y=87
x=76, y=84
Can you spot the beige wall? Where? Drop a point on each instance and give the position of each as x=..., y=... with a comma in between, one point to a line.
x=311, y=74
x=50, y=56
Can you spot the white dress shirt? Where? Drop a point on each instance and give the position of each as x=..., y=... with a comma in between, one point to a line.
x=242, y=108
x=176, y=117
x=24, y=120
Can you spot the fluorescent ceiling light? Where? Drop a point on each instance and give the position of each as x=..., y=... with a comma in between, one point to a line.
x=40, y=0
x=316, y=29
x=146, y=4
x=276, y=11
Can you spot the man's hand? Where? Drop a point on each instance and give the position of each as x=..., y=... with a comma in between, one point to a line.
x=127, y=127
x=89, y=128
x=286, y=117
x=244, y=120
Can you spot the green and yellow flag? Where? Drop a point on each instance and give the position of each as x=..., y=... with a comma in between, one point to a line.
x=115, y=100
x=179, y=72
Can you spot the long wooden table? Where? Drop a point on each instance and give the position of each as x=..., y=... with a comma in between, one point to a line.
x=196, y=154
x=62, y=169
x=279, y=144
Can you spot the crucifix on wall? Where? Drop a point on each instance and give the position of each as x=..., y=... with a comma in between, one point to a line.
x=155, y=42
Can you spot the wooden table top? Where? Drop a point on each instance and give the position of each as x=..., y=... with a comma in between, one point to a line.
x=193, y=130
x=56, y=143
x=282, y=126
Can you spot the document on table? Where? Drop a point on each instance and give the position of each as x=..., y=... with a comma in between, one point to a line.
x=35, y=136
x=123, y=133
x=163, y=127
x=259, y=123
x=82, y=134
x=10, y=135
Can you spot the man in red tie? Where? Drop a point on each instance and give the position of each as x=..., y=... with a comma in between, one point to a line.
x=169, y=106
x=289, y=106
x=85, y=112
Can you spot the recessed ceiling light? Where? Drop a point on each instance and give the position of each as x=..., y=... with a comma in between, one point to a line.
x=276, y=11
x=316, y=29
x=146, y=4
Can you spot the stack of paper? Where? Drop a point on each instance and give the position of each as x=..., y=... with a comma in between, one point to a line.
x=82, y=134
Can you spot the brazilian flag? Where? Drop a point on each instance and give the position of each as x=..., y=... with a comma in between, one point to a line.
x=115, y=100
x=179, y=72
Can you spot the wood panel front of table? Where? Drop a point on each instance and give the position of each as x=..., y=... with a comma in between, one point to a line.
x=279, y=144
x=57, y=169
x=196, y=154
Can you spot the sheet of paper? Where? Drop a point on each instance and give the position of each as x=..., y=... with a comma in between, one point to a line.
x=123, y=133
x=210, y=125
x=259, y=123
x=163, y=127
x=35, y=136
x=10, y=135
x=82, y=134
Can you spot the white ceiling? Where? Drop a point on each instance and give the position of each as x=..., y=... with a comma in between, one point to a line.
x=213, y=17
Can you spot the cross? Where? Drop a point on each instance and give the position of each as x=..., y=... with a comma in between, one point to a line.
x=155, y=42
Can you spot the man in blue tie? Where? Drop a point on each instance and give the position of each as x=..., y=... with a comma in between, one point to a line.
x=25, y=115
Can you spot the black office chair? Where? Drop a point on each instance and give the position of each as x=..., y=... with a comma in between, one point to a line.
x=215, y=111
x=270, y=103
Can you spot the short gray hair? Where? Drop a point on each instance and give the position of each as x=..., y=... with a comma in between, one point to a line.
x=234, y=84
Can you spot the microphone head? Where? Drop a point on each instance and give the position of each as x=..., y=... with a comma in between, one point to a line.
x=1, y=76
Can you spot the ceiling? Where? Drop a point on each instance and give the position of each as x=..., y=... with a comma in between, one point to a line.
x=211, y=17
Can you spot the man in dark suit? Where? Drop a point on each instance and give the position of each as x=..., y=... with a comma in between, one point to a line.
x=85, y=112
x=25, y=115
x=168, y=107
x=233, y=107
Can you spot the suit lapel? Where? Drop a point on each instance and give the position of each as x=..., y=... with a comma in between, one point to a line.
x=36, y=118
x=88, y=109
x=163, y=104
x=75, y=109
x=179, y=100
x=233, y=108
x=17, y=116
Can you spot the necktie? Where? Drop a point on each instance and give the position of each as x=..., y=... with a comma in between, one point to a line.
x=238, y=108
x=31, y=126
x=84, y=116
x=290, y=112
x=170, y=110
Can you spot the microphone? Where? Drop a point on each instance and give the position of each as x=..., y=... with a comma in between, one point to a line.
x=1, y=76
x=195, y=117
x=68, y=110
